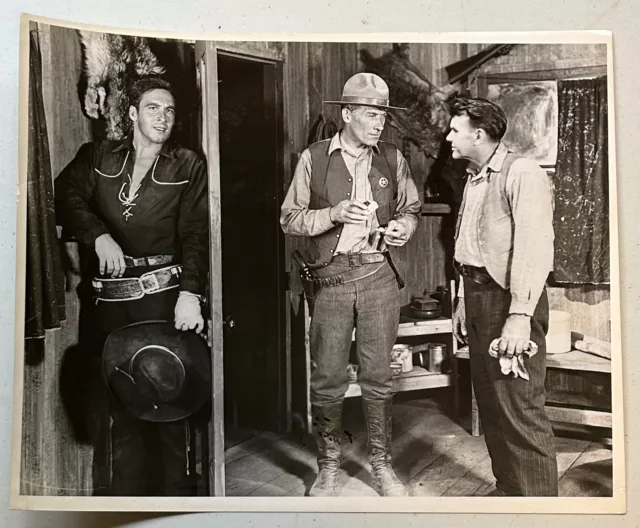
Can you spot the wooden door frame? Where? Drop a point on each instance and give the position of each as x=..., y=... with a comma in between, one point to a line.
x=207, y=53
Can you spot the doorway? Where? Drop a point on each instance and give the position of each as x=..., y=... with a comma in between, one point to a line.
x=252, y=245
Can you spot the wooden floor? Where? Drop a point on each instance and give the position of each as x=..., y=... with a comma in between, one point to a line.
x=432, y=454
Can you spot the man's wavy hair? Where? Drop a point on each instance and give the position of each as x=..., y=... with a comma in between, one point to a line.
x=482, y=114
x=145, y=85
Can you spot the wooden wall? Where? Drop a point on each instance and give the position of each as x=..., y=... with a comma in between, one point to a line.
x=589, y=306
x=54, y=462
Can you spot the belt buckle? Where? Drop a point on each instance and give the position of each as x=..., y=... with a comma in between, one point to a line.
x=355, y=259
x=155, y=285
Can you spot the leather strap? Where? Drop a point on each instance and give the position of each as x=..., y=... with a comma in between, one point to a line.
x=155, y=260
x=356, y=260
x=478, y=275
x=137, y=287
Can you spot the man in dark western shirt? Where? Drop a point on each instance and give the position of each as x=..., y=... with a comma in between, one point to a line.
x=141, y=205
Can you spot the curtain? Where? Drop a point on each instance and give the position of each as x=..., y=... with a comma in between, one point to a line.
x=581, y=217
x=45, y=308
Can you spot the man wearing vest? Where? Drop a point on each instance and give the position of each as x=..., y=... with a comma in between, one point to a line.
x=504, y=253
x=344, y=191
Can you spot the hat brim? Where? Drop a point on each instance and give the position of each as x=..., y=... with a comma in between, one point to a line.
x=345, y=103
x=123, y=343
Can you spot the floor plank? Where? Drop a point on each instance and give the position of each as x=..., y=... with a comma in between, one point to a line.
x=432, y=454
x=591, y=475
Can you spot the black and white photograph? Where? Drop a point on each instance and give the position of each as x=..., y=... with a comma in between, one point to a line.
x=301, y=270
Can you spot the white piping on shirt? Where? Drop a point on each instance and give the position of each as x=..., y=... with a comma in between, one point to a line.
x=114, y=175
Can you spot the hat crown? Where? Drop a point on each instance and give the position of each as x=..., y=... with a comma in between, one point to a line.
x=366, y=86
x=158, y=373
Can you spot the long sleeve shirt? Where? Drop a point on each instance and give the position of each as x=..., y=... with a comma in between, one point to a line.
x=529, y=196
x=167, y=214
x=298, y=219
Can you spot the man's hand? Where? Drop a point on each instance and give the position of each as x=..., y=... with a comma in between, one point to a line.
x=516, y=333
x=110, y=255
x=349, y=212
x=188, y=315
x=460, y=322
x=395, y=234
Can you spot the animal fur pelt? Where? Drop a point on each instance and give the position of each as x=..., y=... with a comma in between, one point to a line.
x=426, y=119
x=111, y=64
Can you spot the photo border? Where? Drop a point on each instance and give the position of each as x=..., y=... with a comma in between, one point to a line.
x=587, y=505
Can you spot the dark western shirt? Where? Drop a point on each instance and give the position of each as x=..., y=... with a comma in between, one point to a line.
x=167, y=214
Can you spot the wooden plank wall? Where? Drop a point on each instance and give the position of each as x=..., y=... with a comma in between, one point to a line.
x=589, y=306
x=53, y=461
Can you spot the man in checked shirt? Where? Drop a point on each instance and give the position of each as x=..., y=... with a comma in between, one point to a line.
x=140, y=206
x=343, y=191
x=504, y=252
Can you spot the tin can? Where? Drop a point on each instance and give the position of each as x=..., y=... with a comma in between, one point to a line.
x=438, y=357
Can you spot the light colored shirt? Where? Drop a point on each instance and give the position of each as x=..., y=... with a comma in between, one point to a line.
x=467, y=250
x=528, y=190
x=297, y=219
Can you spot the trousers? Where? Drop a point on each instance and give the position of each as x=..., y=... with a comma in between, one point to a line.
x=517, y=430
x=148, y=459
x=371, y=305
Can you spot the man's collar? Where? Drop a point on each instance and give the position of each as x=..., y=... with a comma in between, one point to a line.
x=494, y=164
x=336, y=144
x=168, y=148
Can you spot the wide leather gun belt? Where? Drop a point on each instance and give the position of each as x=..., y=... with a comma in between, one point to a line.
x=130, y=288
x=357, y=259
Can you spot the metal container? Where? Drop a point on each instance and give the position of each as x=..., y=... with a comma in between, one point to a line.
x=438, y=360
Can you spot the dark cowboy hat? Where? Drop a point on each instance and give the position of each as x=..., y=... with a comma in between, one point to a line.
x=366, y=89
x=156, y=372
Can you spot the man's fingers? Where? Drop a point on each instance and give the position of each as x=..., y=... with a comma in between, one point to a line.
x=502, y=346
x=116, y=267
x=199, y=325
x=519, y=348
x=511, y=348
x=123, y=264
x=103, y=265
x=109, y=265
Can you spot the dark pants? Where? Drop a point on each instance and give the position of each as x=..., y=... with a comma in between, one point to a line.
x=371, y=305
x=517, y=431
x=147, y=458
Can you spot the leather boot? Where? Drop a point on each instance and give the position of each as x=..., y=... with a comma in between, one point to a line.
x=327, y=424
x=377, y=415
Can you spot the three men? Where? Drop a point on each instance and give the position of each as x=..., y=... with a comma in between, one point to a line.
x=504, y=252
x=353, y=199
x=141, y=205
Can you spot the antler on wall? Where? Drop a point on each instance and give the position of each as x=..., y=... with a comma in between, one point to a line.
x=111, y=64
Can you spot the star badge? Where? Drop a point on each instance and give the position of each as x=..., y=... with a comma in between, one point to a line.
x=383, y=182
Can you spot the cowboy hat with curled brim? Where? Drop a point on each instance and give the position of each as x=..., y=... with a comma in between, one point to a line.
x=157, y=373
x=366, y=89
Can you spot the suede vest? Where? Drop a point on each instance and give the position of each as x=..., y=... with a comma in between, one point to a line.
x=330, y=185
x=495, y=227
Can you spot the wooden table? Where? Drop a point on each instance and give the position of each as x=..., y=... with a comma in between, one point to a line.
x=562, y=405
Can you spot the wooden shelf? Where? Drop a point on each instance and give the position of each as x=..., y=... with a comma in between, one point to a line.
x=558, y=411
x=418, y=379
x=435, y=209
x=574, y=360
x=421, y=327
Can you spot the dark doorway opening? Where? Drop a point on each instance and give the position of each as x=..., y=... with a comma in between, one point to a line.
x=253, y=291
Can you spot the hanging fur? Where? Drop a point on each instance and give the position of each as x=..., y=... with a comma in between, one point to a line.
x=426, y=119
x=111, y=64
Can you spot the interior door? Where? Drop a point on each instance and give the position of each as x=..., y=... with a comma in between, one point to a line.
x=242, y=138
